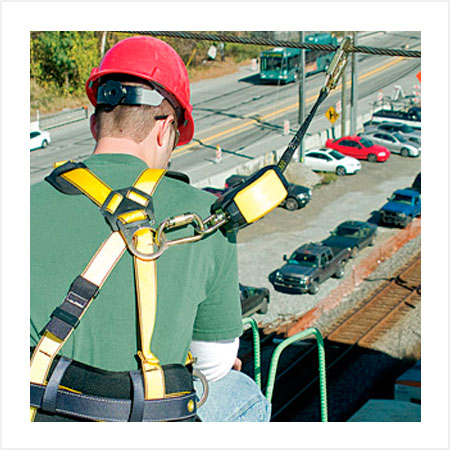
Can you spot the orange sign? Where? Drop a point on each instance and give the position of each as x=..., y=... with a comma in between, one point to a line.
x=419, y=76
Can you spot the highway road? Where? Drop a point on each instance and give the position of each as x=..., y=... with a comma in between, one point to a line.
x=246, y=117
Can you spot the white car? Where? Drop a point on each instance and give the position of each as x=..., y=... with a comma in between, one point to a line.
x=394, y=142
x=329, y=160
x=39, y=139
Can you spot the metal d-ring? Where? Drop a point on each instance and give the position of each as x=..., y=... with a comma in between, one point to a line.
x=161, y=244
x=197, y=374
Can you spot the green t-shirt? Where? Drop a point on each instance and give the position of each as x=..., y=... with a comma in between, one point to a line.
x=198, y=291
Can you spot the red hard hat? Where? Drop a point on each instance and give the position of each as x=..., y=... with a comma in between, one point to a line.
x=153, y=60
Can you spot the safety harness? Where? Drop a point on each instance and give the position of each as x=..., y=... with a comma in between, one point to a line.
x=129, y=212
x=153, y=393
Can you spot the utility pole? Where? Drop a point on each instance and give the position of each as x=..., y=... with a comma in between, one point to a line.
x=354, y=95
x=344, y=102
x=102, y=49
x=301, y=93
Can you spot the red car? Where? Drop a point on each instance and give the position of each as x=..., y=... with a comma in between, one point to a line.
x=360, y=148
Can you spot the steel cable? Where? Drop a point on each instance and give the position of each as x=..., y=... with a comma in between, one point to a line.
x=278, y=43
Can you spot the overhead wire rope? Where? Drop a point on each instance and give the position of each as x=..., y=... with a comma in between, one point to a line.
x=280, y=43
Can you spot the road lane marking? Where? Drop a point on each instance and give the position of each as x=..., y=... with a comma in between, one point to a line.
x=251, y=122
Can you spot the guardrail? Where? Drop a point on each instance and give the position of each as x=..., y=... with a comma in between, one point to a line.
x=63, y=118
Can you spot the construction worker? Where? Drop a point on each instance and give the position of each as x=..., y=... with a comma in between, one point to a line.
x=142, y=112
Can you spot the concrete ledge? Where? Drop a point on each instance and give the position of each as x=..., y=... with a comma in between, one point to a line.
x=380, y=410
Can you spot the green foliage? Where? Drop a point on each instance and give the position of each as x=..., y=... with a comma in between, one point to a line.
x=63, y=59
x=328, y=177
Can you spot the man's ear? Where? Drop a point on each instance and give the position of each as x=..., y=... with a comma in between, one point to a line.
x=93, y=125
x=164, y=130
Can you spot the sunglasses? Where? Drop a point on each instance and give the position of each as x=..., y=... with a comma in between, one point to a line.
x=177, y=132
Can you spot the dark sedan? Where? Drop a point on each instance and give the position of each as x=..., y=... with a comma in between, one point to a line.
x=254, y=300
x=298, y=196
x=352, y=234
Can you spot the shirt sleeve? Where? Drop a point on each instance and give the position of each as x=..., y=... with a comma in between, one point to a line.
x=219, y=316
x=215, y=359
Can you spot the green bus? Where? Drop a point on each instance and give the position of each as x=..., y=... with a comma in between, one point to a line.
x=282, y=64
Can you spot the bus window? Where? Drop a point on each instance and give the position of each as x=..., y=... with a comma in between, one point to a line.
x=293, y=62
x=271, y=63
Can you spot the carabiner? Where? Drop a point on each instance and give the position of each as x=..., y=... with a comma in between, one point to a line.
x=178, y=222
x=337, y=65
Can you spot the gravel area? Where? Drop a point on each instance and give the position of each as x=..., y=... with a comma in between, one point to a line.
x=403, y=340
x=262, y=245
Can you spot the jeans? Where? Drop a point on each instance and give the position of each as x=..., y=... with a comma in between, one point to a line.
x=233, y=398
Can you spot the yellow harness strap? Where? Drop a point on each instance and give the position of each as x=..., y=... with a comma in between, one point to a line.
x=146, y=293
x=98, y=270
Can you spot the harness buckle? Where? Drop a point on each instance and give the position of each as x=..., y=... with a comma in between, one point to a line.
x=150, y=359
x=130, y=211
x=126, y=206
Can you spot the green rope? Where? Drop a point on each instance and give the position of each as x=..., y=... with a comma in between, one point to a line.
x=256, y=348
x=322, y=369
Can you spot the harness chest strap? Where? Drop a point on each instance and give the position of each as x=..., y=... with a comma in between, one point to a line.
x=95, y=275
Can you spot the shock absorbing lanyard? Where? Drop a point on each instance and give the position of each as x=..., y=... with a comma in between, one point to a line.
x=66, y=318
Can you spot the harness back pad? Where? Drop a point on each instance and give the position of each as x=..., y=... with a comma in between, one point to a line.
x=114, y=385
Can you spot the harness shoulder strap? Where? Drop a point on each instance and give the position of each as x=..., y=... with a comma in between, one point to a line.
x=77, y=178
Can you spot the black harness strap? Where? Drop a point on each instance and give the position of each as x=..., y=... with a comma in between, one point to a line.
x=116, y=410
x=51, y=391
x=137, y=408
x=67, y=316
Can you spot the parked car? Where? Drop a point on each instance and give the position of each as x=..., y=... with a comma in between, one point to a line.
x=408, y=132
x=352, y=234
x=417, y=183
x=216, y=191
x=254, y=300
x=328, y=160
x=298, y=196
x=412, y=117
x=39, y=139
x=401, y=208
x=360, y=148
x=308, y=266
x=394, y=142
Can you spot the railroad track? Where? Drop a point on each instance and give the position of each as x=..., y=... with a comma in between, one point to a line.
x=374, y=318
x=356, y=333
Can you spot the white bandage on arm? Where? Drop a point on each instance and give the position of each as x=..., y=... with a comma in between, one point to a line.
x=215, y=359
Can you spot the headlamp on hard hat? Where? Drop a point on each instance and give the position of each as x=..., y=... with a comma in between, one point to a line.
x=113, y=93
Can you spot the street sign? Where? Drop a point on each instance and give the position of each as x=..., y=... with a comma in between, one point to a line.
x=339, y=106
x=331, y=114
x=212, y=52
x=419, y=76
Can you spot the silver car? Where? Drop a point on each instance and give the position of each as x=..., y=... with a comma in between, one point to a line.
x=394, y=142
x=406, y=131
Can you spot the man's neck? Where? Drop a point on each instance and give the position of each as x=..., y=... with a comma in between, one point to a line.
x=124, y=146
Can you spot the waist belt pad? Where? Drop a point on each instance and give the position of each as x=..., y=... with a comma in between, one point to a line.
x=95, y=384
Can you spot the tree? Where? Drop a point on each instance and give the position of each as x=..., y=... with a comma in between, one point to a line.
x=63, y=58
